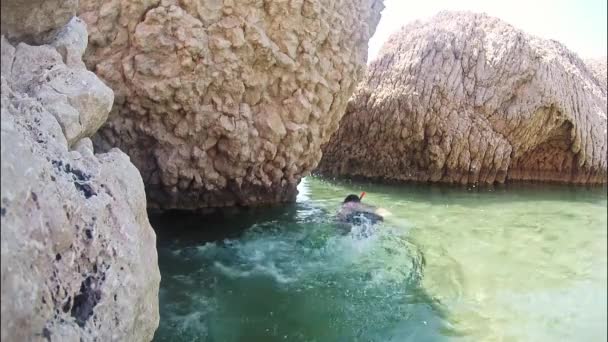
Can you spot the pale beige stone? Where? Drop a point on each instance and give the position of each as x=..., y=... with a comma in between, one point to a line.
x=75, y=96
x=467, y=98
x=78, y=255
x=27, y=19
x=209, y=93
x=599, y=69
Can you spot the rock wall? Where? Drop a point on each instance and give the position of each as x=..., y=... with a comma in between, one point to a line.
x=467, y=98
x=599, y=69
x=78, y=255
x=226, y=103
x=28, y=19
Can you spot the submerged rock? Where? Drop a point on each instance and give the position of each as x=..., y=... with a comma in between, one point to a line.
x=78, y=254
x=226, y=103
x=467, y=98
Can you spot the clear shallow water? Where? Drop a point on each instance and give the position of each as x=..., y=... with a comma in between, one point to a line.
x=450, y=264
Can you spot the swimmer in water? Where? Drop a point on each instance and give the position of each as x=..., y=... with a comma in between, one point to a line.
x=355, y=212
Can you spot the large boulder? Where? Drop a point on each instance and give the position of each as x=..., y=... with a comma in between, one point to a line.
x=226, y=103
x=78, y=256
x=599, y=69
x=28, y=19
x=467, y=98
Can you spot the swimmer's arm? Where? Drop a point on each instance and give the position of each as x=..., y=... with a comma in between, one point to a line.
x=378, y=211
x=345, y=211
x=382, y=212
x=341, y=215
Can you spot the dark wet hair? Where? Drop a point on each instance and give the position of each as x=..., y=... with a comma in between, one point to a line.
x=352, y=198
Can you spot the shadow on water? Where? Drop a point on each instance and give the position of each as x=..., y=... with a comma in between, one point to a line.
x=187, y=228
x=277, y=274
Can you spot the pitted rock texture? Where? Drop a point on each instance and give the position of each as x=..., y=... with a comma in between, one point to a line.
x=226, y=103
x=27, y=19
x=467, y=98
x=599, y=69
x=75, y=96
x=78, y=254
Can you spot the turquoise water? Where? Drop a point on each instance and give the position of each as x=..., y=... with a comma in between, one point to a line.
x=450, y=264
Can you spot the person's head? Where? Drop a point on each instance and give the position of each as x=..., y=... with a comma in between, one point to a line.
x=352, y=198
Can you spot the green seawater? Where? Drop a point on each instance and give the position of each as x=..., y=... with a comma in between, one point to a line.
x=512, y=263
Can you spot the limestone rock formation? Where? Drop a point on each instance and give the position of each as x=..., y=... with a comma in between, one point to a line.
x=78, y=256
x=226, y=103
x=467, y=98
x=27, y=19
x=599, y=69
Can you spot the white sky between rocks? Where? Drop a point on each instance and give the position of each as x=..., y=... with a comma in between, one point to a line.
x=579, y=24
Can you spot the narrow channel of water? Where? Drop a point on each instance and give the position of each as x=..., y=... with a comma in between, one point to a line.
x=525, y=263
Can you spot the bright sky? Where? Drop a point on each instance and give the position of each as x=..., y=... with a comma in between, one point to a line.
x=579, y=24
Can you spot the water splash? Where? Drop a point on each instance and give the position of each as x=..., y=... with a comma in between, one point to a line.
x=295, y=276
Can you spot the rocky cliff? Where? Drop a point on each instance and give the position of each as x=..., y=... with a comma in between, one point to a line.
x=78, y=254
x=226, y=103
x=599, y=69
x=467, y=98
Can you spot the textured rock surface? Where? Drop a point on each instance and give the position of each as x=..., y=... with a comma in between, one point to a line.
x=78, y=255
x=467, y=98
x=599, y=69
x=26, y=19
x=75, y=96
x=226, y=103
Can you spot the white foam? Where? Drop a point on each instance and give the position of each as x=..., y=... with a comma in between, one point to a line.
x=183, y=279
x=305, y=255
x=189, y=323
x=303, y=191
x=206, y=247
x=268, y=269
x=271, y=270
x=231, y=271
